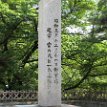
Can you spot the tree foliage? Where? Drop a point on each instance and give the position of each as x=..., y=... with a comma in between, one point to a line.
x=84, y=56
x=18, y=43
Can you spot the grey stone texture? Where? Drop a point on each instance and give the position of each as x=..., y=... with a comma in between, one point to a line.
x=49, y=31
x=63, y=105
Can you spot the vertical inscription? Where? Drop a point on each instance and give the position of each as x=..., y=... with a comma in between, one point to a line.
x=49, y=60
x=56, y=51
x=52, y=59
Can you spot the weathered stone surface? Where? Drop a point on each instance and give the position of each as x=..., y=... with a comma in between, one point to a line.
x=49, y=91
x=63, y=105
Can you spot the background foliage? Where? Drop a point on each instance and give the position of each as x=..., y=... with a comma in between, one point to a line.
x=84, y=52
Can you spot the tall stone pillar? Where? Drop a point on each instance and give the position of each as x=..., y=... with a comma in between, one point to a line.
x=49, y=89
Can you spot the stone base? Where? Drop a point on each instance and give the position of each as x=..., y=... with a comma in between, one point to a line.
x=63, y=105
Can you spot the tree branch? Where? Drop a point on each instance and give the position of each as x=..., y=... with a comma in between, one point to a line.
x=29, y=52
x=82, y=80
x=100, y=74
x=2, y=18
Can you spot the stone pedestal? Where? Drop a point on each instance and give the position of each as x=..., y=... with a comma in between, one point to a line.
x=63, y=105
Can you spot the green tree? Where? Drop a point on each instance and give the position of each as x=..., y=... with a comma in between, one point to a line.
x=18, y=42
x=83, y=56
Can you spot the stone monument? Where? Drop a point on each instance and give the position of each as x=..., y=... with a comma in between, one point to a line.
x=49, y=65
x=49, y=85
x=49, y=91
